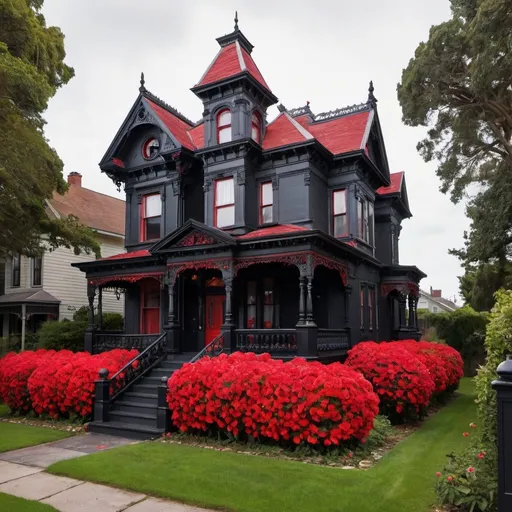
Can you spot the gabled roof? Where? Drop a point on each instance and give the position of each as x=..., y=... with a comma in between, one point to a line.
x=283, y=131
x=31, y=296
x=197, y=135
x=395, y=186
x=142, y=253
x=229, y=62
x=95, y=210
x=444, y=303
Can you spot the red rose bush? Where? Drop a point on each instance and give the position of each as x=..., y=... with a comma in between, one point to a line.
x=402, y=382
x=297, y=402
x=57, y=384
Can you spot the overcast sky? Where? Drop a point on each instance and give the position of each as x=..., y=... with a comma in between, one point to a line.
x=324, y=52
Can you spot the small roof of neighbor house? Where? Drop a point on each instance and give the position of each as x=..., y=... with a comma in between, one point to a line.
x=28, y=297
x=95, y=210
x=446, y=303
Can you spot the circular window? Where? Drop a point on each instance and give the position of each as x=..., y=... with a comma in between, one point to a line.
x=150, y=148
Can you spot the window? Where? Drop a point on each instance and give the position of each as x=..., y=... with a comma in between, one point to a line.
x=151, y=214
x=339, y=213
x=251, y=304
x=256, y=128
x=266, y=202
x=361, y=299
x=371, y=224
x=371, y=307
x=366, y=221
x=435, y=309
x=150, y=148
x=224, y=126
x=268, y=303
x=37, y=266
x=15, y=270
x=224, y=203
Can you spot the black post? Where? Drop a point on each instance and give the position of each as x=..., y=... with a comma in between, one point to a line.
x=89, y=332
x=412, y=314
x=348, y=292
x=172, y=327
x=402, y=301
x=100, y=308
x=302, y=300
x=503, y=387
x=228, y=327
x=163, y=416
x=101, y=397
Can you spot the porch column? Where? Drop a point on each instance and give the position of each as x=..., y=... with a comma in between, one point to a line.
x=348, y=292
x=302, y=300
x=172, y=327
x=100, y=308
x=227, y=328
x=412, y=311
x=89, y=332
x=402, y=301
x=23, y=325
x=306, y=331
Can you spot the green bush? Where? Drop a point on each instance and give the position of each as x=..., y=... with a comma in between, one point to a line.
x=464, y=330
x=111, y=321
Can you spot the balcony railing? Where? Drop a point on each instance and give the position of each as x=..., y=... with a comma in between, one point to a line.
x=272, y=341
x=104, y=341
x=333, y=339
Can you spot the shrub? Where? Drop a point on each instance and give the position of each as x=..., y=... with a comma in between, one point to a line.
x=245, y=395
x=110, y=321
x=64, y=335
x=464, y=330
x=402, y=382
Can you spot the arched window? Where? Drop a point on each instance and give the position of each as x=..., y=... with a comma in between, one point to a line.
x=224, y=126
x=256, y=127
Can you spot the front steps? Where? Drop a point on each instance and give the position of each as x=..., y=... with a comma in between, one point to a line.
x=134, y=413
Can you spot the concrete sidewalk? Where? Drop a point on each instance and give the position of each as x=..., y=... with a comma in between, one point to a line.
x=22, y=474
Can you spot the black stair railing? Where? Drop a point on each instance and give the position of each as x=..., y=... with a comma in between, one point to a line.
x=108, y=389
x=214, y=348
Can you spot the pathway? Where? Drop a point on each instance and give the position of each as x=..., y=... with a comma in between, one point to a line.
x=22, y=474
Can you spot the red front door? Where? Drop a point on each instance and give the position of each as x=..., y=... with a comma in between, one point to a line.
x=150, y=307
x=214, y=316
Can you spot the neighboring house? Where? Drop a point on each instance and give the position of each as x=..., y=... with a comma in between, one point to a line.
x=38, y=289
x=435, y=303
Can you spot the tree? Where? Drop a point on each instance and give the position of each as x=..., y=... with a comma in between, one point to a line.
x=32, y=69
x=459, y=81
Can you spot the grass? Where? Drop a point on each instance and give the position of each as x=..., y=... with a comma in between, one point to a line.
x=14, y=504
x=4, y=411
x=14, y=436
x=401, y=482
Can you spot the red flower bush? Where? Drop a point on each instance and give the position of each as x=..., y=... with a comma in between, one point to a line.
x=59, y=384
x=296, y=402
x=402, y=382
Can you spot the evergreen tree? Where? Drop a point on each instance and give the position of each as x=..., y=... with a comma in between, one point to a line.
x=32, y=69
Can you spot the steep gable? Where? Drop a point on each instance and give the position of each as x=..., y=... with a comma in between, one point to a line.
x=283, y=131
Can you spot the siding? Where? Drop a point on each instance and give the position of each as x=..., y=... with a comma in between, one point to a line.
x=69, y=284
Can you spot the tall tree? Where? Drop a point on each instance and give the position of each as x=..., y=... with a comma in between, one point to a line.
x=32, y=69
x=459, y=82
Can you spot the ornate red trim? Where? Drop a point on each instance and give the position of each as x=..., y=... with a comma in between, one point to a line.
x=175, y=269
x=405, y=287
x=293, y=258
x=129, y=278
x=332, y=264
x=195, y=238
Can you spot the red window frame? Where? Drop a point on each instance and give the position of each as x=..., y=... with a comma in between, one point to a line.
x=224, y=127
x=334, y=214
x=266, y=205
x=229, y=205
x=256, y=126
x=142, y=230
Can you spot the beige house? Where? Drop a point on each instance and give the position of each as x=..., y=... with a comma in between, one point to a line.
x=33, y=290
x=435, y=302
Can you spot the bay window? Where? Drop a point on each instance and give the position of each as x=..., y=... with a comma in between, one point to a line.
x=224, y=133
x=224, y=203
x=150, y=218
x=339, y=213
x=266, y=202
x=366, y=221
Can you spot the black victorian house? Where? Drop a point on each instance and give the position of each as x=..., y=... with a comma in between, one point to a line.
x=247, y=234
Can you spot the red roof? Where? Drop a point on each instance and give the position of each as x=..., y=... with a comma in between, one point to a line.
x=342, y=134
x=230, y=61
x=197, y=135
x=284, y=130
x=396, y=184
x=125, y=255
x=176, y=126
x=281, y=229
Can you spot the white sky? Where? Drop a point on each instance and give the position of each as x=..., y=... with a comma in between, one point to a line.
x=324, y=52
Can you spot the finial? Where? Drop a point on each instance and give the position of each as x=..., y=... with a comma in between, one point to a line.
x=236, y=20
x=371, y=97
x=307, y=103
x=281, y=107
x=142, y=87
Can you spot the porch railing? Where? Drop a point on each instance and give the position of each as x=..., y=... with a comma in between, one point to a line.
x=214, y=348
x=333, y=339
x=104, y=341
x=266, y=340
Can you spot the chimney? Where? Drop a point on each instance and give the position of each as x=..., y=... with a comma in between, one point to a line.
x=436, y=293
x=74, y=179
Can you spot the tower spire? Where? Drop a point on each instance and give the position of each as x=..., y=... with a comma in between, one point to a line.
x=236, y=20
x=371, y=98
x=142, y=87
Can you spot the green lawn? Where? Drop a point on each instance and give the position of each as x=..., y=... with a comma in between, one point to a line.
x=4, y=410
x=14, y=436
x=401, y=482
x=13, y=504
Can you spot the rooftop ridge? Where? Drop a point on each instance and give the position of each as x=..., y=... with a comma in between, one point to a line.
x=300, y=111
x=343, y=111
x=149, y=95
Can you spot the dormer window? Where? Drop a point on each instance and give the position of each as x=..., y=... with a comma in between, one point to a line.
x=256, y=128
x=224, y=133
